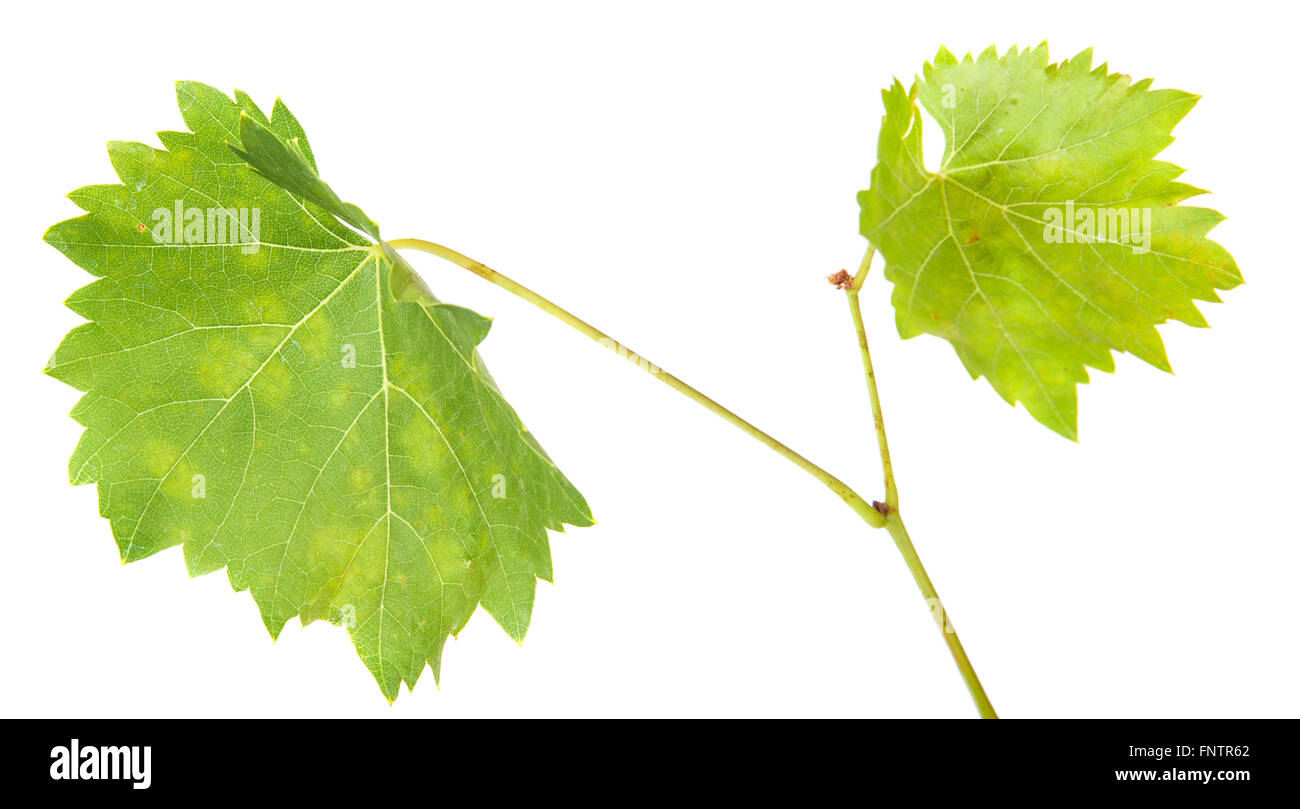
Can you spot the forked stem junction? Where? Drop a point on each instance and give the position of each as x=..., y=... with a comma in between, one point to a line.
x=881, y=515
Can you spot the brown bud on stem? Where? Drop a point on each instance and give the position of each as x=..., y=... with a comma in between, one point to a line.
x=841, y=280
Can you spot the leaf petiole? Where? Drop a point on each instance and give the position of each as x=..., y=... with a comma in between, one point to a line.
x=859, y=505
x=851, y=291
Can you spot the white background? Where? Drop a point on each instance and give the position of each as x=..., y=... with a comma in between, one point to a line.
x=683, y=175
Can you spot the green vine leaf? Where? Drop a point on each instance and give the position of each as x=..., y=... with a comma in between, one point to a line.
x=256, y=393
x=1049, y=235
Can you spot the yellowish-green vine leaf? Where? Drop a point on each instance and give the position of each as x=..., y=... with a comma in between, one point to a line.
x=1049, y=234
x=257, y=394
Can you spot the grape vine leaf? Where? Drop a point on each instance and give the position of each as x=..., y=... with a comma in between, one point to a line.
x=256, y=393
x=1049, y=235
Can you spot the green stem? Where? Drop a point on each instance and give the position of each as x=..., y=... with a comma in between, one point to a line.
x=891, y=489
x=904, y=542
x=860, y=506
x=885, y=516
x=894, y=519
